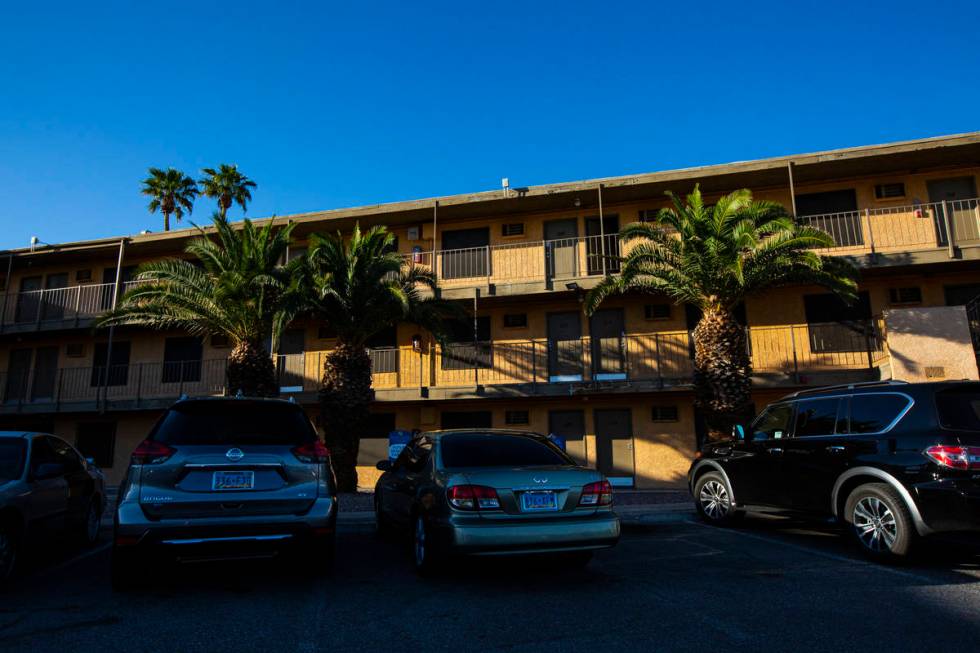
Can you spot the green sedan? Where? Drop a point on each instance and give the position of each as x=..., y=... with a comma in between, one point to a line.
x=493, y=492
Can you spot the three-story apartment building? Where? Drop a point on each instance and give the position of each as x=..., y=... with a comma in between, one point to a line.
x=616, y=387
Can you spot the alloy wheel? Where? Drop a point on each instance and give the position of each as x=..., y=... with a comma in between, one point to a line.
x=419, y=542
x=875, y=524
x=714, y=500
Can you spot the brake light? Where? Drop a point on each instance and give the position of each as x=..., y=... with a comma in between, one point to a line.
x=312, y=452
x=473, y=497
x=149, y=452
x=596, y=494
x=955, y=457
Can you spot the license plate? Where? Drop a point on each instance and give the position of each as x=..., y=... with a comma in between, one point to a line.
x=233, y=480
x=539, y=501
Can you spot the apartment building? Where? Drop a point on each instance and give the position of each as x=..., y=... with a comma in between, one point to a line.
x=616, y=387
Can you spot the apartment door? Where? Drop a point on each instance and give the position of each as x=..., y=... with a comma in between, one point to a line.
x=28, y=300
x=608, y=330
x=962, y=216
x=45, y=373
x=561, y=248
x=464, y=253
x=182, y=359
x=292, y=360
x=18, y=375
x=614, y=445
x=602, y=244
x=569, y=425
x=565, y=354
x=53, y=302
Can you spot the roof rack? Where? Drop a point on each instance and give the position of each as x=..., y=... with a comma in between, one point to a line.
x=844, y=386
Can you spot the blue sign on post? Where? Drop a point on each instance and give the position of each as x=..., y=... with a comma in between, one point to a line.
x=396, y=442
x=557, y=439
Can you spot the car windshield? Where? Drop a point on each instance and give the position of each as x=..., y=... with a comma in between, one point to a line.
x=11, y=459
x=499, y=450
x=234, y=423
x=959, y=408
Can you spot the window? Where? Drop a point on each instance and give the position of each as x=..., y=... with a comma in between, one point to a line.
x=220, y=342
x=656, y=311
x=83, y=275
x=513, y=229
x=75, y=350
x=462, y=352
x=890, y=190
x=326, y=332
x=415, y=456
x=234, y=422
x=383, y=349
x=65, y=455
x=97, y=440
x=497, y=450
x=774, y=423
x=515, y=320
x=517, y=417
x=835, y=326
x=118, y=373
x=41, y=453
x=182, y=360
x=816, y=417
x=909, y=295
x=959, y=408
x=664, y=414
x=649, y=215
x=11, y=458
x=872, y=413
x=836, y=213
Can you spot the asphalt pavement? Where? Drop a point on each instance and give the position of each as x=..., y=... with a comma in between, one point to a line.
x=672, y=584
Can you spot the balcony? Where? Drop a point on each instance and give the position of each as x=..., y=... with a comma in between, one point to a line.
x=782, y=356
x=55, y=308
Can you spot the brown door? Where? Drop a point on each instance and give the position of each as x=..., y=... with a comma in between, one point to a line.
x=608, y=331
x=292, y=360
x=55, y=299
x=962, y=214
x=569, y=425
x=561, y=248
x=18, y=375
x=614, y=445
x=565, y=354
x=28, y=300
x=45, y=373
x=602, y=244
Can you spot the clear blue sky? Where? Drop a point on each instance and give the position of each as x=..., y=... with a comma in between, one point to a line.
x=364, y=102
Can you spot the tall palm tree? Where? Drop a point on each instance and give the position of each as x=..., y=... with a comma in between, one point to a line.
x=228, y=186
x=359, y=287
x=713, y=257
x=172, y=191
x=235, y=287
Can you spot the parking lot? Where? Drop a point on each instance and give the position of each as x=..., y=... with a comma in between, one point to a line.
x=671, y=584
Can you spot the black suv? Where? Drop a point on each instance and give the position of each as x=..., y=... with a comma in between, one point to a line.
x=893, y=460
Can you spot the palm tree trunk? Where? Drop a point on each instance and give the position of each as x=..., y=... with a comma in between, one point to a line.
x=344, y=400
x=251, y=372
x=166, y=222
x=722, y=372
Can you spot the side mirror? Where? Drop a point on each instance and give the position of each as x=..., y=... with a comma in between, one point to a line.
x=738, y=432
x=384, y=465
x=49, y=470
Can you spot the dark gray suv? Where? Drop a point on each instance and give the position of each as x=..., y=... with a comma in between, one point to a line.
x=225, y=478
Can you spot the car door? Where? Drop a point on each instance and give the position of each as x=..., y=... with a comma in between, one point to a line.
x=48, y=494
x=819, y=451
x=754, y=466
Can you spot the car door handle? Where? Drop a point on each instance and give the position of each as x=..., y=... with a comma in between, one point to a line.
x=836, y=448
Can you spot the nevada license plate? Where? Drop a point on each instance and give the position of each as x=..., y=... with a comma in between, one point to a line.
x=233, y=480
x=538, y=501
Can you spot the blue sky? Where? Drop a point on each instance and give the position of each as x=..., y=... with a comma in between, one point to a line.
x=330, y=105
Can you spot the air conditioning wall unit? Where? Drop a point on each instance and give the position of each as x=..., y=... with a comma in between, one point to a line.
x=414, y=233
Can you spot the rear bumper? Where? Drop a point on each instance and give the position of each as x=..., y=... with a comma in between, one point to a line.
x=224, y=536
x=599, y=531
x=949, y=505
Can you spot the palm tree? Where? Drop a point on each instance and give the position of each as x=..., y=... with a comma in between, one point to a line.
x=228, y=186
x=359, y=287
x=172, y=191
x=713, y=257
x=236, y=287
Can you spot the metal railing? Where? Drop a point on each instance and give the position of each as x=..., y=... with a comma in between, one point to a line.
x=71, y=305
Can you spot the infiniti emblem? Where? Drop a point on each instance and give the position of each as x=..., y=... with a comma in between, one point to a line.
x=539, y=480
x=235, y=454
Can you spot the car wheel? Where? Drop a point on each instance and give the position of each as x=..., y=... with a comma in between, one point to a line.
x=9, y=545
x=880, y=522
x=88, y=532
x=423, y=549
x=713, y=500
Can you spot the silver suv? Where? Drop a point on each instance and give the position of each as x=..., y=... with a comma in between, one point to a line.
x=224, y=478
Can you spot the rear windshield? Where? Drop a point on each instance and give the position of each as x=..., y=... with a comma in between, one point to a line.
x=234, y=423
x=959, y=408
x=11, y=459
x=498, y=450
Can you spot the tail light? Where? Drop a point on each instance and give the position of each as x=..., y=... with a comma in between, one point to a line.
x=955, y=457
x=312, y=452
x=596, y=494
x=149, y=452
x=473, y=497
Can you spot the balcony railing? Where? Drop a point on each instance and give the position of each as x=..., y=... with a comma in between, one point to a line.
x=661, y=359
x=73, y=305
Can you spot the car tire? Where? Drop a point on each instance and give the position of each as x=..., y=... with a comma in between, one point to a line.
x=122, y=571
x=880, y=522
x=9, y=549
x=88, y=530
x=424, y=552
x=712, y=499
